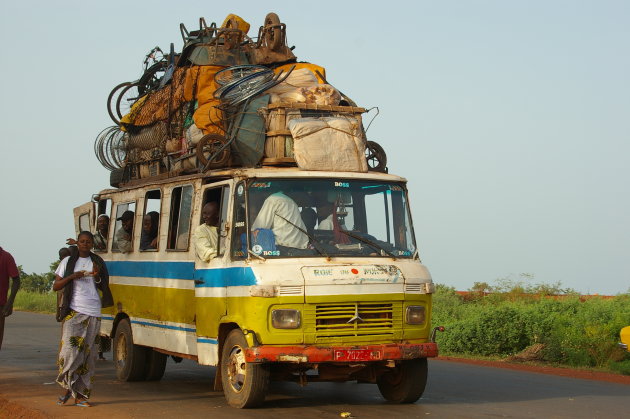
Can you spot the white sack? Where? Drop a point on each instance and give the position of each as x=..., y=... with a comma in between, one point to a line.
x=331, y=144
x=193, y=135
x=302, y=77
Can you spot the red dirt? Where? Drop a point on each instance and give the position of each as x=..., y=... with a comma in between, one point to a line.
x=542, y=369
x=16, y=411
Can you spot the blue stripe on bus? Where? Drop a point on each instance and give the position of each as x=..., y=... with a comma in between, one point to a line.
x=206, y=340
x=226, y=277
x=164, y=326
x=213, y=278
x=167, y=270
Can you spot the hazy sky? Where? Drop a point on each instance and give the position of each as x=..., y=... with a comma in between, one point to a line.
x=509, y=119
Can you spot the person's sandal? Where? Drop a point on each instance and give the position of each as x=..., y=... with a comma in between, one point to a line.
x=83, y=403
x=63, y=399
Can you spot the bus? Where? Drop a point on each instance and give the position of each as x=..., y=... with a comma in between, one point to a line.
x=351, y=303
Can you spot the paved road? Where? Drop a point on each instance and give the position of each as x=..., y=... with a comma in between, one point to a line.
x=454, y=390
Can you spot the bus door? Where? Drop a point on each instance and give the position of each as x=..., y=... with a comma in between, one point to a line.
x=211, y=276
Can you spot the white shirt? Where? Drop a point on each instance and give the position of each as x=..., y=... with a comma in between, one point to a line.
x=206, y=239
x=285, y=233
x=326, y=223
x=85, y=299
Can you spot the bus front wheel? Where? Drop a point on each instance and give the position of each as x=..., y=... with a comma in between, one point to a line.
x=244, y=384
x=405, y=383
x=129, y=359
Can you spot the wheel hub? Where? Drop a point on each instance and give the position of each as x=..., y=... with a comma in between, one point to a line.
x=236, y=368
x=121, y=351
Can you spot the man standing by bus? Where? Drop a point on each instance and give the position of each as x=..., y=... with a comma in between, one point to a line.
x=8, y=269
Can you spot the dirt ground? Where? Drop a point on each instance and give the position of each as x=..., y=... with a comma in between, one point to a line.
x=13, y=410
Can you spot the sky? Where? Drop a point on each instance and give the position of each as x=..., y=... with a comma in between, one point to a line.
x=508, y=118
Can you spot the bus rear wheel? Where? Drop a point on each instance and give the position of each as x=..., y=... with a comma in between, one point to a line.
x=405, y=383
x=244, y=384
x=155, y=365
x=129, y=359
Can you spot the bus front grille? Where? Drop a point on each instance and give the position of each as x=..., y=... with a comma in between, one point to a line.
x=354, y=319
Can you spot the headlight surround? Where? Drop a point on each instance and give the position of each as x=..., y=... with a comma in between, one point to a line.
x=415, y=315
x=286, y=318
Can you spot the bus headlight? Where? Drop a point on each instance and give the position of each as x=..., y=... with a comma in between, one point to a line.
x=415, y=315
x=285, y=319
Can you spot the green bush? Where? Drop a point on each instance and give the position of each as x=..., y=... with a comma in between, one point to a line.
x=574, y=332
x=38, y=282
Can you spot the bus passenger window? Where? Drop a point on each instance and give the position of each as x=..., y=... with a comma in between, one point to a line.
x=239, y=231
x=206, y=233
x=84, y=222
x=123, y=236
x=149, y=237
x=101, y=232
x=179, y=220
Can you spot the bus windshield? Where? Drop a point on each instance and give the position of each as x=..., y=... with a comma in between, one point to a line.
x=322, y=217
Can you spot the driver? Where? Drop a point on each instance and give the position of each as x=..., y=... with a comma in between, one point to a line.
x=281, y=214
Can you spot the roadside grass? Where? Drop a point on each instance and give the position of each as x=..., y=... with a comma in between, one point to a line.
x=567, y=331
x=35, y=301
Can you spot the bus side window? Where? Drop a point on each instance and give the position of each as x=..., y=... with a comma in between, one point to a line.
x=220, y=195
x=149, y=236
x=179, y=220
x=123, y=229
x=239, y=231
x=103, y=221
x=84, y=222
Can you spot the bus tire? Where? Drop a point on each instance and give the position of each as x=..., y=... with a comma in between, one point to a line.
x=244, y=384
x=155, y=365
x=405, y=383
x=129, y=359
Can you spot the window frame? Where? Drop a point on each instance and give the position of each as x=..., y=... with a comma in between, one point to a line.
x=144, y=213
x=171, y=218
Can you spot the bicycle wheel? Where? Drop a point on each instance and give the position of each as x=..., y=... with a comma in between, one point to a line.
x=244, y=86
x=111, y=101
x=151, y=78
x=237, y=72
x=126, y=99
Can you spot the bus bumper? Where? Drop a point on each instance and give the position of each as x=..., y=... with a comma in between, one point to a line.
x=342, y=354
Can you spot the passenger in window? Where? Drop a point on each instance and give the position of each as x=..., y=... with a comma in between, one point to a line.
x=149, y=236
x=123, y=235
x=100, y=235
x=281, y=214
x=325, y=212
x=206, y=236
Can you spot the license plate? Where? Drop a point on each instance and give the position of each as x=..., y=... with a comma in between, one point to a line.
x=357, y=355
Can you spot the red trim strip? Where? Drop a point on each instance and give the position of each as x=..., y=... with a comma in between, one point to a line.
x=315, y=354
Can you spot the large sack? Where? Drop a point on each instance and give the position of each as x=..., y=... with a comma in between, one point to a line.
x=298, y=78
x=331, y=144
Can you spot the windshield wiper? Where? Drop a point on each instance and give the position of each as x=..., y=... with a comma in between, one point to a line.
x=311, y=238
x=368, y=242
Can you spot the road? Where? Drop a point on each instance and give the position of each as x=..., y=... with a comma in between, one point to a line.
x=454, y=390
